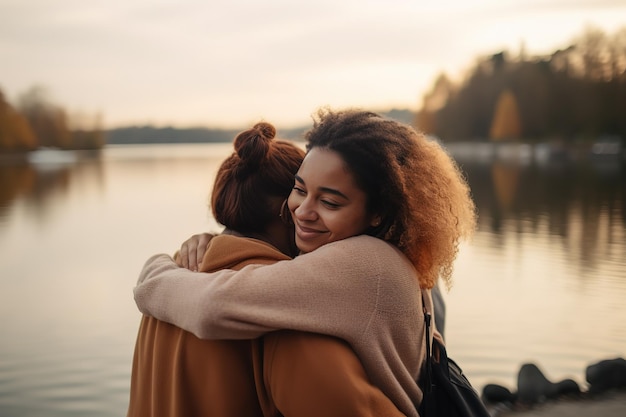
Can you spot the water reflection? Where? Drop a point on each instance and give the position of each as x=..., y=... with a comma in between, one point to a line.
x=15, y=180
x=37, y=185
x=581, y=203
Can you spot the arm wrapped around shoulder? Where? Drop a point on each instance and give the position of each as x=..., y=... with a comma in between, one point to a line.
x=205, y=304
x=171, y=293
x=150, y=294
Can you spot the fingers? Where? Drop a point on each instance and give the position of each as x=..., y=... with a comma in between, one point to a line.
x=202, y=244
x=183, y=255
x=177, y=258
x=192, y=251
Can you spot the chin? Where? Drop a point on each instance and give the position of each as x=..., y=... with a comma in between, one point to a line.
x=306, y=247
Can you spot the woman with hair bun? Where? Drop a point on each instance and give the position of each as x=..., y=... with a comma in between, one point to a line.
x=177, y=374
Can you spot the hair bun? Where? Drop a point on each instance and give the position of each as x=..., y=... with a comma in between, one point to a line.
x=266, y=130
x=252, y=146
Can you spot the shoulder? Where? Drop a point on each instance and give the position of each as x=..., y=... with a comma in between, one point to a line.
x=362, y=255
x=361, y=244
x=235, y=252
x=371, y=256
x=364, y=248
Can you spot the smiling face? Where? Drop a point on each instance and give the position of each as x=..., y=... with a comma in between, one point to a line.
x=326, y=204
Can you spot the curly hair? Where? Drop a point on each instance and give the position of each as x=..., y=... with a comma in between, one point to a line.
x=411, y=182
x=259, y=171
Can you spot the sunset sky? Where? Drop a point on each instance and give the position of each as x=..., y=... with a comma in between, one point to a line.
x=231, y=63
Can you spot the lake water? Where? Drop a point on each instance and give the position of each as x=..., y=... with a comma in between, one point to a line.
x=544, y=279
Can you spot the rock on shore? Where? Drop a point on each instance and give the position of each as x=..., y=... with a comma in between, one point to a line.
x=610, y=404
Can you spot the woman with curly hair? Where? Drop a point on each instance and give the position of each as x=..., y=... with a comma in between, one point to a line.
x=379, y=211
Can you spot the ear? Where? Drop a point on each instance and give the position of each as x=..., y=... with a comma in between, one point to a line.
x=285, y=214
x=375, y=221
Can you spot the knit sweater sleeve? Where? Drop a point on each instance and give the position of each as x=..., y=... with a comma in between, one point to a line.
x=333, y=290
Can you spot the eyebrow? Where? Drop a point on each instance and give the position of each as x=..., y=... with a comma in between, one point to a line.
x=325, y=189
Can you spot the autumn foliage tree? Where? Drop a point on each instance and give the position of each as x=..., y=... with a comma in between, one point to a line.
x=15, y=132
x=506, y=120
x=48, y=121
x=433, y=101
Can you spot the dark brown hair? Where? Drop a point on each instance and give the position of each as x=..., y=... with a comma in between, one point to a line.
x=411, y=182
x=260, y=170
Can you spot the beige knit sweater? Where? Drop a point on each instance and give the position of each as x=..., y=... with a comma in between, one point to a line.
x=360, y=289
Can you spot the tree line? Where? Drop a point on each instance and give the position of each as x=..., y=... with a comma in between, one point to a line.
x=574, y=94
x=37, y=122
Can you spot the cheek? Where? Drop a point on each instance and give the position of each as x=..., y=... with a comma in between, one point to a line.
x=293, y=201
x=347, y=225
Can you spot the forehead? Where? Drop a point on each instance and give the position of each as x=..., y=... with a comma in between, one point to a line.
x=326, y=168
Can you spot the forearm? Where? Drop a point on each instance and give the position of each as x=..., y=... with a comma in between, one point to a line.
x=159, y=293
x=187, y=299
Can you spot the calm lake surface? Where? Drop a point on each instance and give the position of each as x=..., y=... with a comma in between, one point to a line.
x=544, y=279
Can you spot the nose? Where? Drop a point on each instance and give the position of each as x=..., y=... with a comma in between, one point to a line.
x=305, y=211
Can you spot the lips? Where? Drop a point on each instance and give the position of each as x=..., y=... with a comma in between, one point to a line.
x=306, y=233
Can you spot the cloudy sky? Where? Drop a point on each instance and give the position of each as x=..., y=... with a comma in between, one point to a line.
x=228, y=63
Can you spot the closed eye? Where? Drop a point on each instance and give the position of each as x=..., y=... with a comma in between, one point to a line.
x=330, y=204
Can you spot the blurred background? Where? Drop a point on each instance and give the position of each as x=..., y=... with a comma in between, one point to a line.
x=115, y=115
